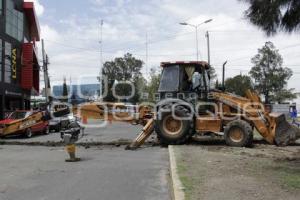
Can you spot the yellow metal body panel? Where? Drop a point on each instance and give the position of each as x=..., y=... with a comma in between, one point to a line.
x=208, y=124
x=264, y=122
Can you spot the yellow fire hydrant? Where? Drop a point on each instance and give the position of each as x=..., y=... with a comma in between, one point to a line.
x=69, y=140
x=71, y=149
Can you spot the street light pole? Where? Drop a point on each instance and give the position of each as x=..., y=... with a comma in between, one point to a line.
x=197, y=43
x=208, y=47
x=101, y=60
x=196, y=29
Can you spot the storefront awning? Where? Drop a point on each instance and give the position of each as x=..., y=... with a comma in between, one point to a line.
x=32, y=20
x=30, y=68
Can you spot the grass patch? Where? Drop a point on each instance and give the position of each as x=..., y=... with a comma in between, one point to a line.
x=187, y=182
x=289, y=175
x=292, y=181
x=188, y=187
x=286, y=174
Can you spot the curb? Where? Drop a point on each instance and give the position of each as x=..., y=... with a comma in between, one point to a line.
x=176, y=185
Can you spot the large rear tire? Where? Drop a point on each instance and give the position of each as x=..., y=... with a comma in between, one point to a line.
x=173, y=131
x=238, y=133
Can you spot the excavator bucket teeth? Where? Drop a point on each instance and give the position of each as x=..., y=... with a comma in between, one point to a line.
x=142, y=137
x=285, y=133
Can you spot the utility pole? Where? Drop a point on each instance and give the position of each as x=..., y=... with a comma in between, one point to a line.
x=208, y=47
x=101, y=59
x=45, y=69
x=147, y=53
x=266, y=79
x=197, y=43
x=49, y=95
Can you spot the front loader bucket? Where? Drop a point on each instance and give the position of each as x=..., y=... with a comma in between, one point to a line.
x=285, y=133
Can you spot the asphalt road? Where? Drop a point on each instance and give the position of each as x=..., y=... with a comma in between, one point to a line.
x=110, y=132
x=40, y=173
x=93, y=133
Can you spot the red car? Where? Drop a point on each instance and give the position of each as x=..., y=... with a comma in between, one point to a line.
x=24, y=122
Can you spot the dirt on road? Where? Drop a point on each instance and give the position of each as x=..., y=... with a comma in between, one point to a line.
x=213, y=171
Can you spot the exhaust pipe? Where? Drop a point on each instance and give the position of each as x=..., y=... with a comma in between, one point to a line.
x=223, y=76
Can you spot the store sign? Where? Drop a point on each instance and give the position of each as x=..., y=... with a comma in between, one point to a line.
x=14, y=63
x=13, y=93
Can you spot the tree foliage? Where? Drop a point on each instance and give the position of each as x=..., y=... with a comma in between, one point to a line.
x=270, y=77
x=285, y=94
x=212, y=73
x=119, y=73
x=238, y=85
x=65, y=91
x=274, y=15
x=153, y=84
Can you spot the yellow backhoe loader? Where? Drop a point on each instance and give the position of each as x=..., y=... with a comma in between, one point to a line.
x=186, y=105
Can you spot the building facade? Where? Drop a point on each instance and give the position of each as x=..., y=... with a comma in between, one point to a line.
x=19, y=66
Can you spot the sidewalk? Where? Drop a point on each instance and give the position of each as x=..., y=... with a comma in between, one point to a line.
x=214, y=172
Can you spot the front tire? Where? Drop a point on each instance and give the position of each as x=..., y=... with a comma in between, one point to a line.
x=172, y=131
x=28, y=133
x=238, y=133
x=47, y=130
x=58, y=128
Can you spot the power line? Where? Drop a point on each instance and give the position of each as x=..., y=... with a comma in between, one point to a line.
x=92, y=50
x=97, y=51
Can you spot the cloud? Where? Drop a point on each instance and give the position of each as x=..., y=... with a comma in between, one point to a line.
x=49, y=32
x=74, y=49
x=39, y=8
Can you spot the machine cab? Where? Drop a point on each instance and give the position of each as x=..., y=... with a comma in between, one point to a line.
x=186, y=78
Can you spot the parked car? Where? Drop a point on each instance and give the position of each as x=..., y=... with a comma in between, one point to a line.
x=59, y=109
x=58, y=124
x=24, y=122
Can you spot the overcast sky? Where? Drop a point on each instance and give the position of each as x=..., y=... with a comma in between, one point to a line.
x=71, y=32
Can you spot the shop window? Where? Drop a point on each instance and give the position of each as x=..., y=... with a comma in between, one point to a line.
x=1, y=59
x=14, y=21
x=1, y=7
x=7, y=63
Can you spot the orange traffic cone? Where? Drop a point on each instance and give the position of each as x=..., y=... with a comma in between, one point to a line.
x=84, y=120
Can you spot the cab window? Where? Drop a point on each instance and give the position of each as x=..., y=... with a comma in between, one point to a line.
x=170, y=79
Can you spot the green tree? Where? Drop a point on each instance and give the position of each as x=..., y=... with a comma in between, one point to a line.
x=285, y=94
x=274, y=15
x=121, y=70
x=212, y=73
x=65, y=91
x=270, y=77
x=217, y=84
x=153, y=84
x=238, y=84
x=139, y=83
